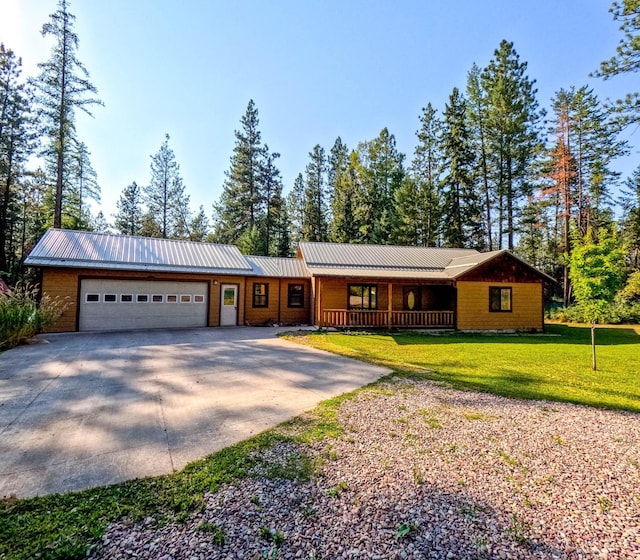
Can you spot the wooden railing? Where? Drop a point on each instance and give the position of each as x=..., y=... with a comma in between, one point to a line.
x=377, y=318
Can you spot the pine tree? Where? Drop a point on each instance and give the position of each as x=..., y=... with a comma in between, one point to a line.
x=314, y=225
x=83, y=183
x=344, y=225
x=424, y=204
x=239, y=205
x=199, y=227
x=462, y=220
x=63, y=86
x=16, y=144
x=512, y=134
x=627, y=58
x=477, y=113
x=271, y=203
x=128, y=219
x=165, y=195
x=631, y=218
x=295, y=209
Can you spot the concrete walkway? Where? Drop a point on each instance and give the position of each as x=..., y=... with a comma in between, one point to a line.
x=80, y=410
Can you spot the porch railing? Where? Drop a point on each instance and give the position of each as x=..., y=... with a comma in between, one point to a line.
x=378, y=318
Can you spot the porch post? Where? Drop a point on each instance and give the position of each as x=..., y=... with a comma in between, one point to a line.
x=389, y=304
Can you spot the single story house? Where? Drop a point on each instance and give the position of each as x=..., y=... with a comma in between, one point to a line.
x=114, y=282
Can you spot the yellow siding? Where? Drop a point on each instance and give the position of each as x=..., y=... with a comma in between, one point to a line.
x=473, y=307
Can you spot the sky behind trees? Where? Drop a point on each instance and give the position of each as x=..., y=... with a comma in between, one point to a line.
x=315, y=71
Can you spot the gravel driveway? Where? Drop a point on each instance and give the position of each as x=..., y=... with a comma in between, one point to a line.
x=423, y=471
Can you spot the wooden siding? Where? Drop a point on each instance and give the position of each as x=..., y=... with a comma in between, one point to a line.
x=277, y=310
x=526, y=307
x=503, y=268
x=64, y=283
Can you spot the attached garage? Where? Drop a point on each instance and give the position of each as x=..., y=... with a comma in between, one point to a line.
x=107, y=304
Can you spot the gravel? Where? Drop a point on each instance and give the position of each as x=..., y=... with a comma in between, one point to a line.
x=424, y=471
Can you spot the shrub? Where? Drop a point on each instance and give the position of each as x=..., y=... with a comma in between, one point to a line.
x=22, y=317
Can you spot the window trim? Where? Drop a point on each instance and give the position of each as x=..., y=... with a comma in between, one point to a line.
x=123, y=296
x=257, y=299
x=93, y=294
x=362, y=308
x=109, y=296
x=299, y=295
x=500, y=290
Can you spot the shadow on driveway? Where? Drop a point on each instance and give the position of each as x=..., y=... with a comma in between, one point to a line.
x=87, y=409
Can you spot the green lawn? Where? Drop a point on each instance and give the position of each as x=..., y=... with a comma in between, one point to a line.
x=554, y=366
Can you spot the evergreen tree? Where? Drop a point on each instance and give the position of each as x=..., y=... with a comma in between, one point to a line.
x=462, y=220
x=98, y=223
x=83, y=182
x=344, y=225
x=128, y=219
x=199, y=227
x=295, y=209
x=271, y=203
x=631, y=218
x=63, y=86
x=165, y=195
x=239, y=205
x=314, y=224
x=512, y=121
x=627, y=58
x=338, y=162
x=16, y=144
x=421, y=210
x=477, y=113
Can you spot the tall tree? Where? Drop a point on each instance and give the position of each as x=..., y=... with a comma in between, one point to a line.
x=512, y=122
x=295, y=209
x=128, y=219
x=83, y=182
x=239, y=205
x=631, y=218
x=477, y=114
x=199, y=227
x=16, y=144
x=626, y=59
x=271, y=203
x=165, y=195
x=63, y=86
x=344, y=225
x=314, y=225
x=422, y=191
x=462, y=220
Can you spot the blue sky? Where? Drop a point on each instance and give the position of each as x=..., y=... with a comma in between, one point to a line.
x=316, y=70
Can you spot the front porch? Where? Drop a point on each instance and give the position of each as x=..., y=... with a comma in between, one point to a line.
x=385, y=304
x=362, y=318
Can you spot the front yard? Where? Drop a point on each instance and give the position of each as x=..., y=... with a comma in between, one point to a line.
x=410, y=467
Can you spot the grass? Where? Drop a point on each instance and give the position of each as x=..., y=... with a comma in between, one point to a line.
x=553, y=366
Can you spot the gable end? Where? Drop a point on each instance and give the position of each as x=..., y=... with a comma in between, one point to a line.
x=502, y=268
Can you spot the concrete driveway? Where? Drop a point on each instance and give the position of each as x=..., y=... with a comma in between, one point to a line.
x=80, y=410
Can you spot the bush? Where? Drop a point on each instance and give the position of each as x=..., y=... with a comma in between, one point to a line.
x=22, y=317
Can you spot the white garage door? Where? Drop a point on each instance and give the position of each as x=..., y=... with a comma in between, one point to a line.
x=141, y=304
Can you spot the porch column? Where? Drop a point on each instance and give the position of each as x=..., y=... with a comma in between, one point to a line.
x=389, y=304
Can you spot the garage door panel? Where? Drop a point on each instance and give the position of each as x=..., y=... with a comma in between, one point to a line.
x=141, y=304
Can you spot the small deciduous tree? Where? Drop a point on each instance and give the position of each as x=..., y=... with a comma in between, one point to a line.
x=597, y=270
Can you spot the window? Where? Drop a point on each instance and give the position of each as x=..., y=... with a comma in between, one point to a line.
x=363, y=296
x=296, y=295
x=260, y=295
x=142, y=298
x=126, y=298
x=198, y=299
x=172, y=299
x=93, y=298
x=499, y=299
x=185, y=298
x=109, y=298
x=157, y=298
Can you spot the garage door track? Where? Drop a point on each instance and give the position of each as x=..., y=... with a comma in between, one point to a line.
x=81, y=410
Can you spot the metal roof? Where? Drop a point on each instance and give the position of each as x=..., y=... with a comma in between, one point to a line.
x=68, y=248
x=381, y=258
x=461, y=265
x=278, y=267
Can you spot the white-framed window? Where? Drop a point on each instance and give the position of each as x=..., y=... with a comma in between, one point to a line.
x=126, y=298
x=110, y=298
x=172, y=298
x=198, y=298
x=157, y=298
x=142, y=298
x=185, y=298
x=92, y=298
